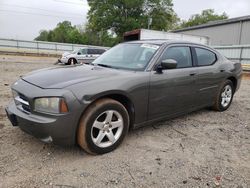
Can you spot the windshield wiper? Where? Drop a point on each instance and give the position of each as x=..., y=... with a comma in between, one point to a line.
x=90, y=63
x=103, y=65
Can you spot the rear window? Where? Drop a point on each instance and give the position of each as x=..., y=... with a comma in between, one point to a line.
x=205, y=57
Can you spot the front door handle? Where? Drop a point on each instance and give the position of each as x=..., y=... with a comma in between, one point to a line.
x=192, y=73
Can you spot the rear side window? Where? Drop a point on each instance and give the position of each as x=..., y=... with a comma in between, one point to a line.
x=91, y=51
x=95, y=51
x=181, y=54
x=205, y=57
x=100, y=51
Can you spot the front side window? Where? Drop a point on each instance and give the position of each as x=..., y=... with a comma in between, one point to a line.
x=82, y=51
x=205, y=57
x=130, y=56
x=181, y=54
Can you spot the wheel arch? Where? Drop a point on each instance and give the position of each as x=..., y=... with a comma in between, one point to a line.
x=119, y=96
x=126, y=102
x=73, y=59
x=234, y=81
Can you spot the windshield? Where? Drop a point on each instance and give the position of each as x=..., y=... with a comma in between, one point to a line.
x=127, y=56
x=75, y=51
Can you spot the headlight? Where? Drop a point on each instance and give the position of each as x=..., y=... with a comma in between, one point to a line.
x=54, y=105
x=14, y=93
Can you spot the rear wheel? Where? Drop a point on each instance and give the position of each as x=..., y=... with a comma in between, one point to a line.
x=224, y=97
x=103, y=126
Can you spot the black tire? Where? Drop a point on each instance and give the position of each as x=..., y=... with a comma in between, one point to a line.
x=218, y=101
x=86, y=127
x=70, y=61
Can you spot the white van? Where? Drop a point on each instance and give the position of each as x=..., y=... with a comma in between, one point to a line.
x=83, y=55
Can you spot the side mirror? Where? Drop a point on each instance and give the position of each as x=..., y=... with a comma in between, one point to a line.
x=167, y=64
x=78, y=53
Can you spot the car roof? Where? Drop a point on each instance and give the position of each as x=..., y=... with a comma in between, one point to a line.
x=94, y=47
x=163, y=41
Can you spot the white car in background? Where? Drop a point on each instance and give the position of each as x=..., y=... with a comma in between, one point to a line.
x=83, y=55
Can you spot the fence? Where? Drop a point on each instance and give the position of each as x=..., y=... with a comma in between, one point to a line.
x=38, y=47
x=239, y=53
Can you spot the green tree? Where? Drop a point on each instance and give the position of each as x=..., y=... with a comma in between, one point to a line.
x=62, y=32
x=205, y=17
x=66, y=33
x=43, y=36
x=120, y=16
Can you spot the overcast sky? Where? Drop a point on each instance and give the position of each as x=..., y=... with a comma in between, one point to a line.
x=23, y=19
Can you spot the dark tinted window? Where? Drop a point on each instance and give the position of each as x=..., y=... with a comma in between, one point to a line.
x=91, y=51
x=180, y=54
x=205, y=57
x=100, y=51
x=96, y=51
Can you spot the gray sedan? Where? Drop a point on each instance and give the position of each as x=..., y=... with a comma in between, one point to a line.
x=131, y=85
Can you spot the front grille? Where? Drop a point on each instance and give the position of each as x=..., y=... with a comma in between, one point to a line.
x=21, y=101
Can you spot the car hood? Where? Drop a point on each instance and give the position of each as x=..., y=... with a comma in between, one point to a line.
x=61, y=77
x=66, y=54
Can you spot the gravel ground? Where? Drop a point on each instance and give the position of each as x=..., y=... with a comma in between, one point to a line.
x=189, y=151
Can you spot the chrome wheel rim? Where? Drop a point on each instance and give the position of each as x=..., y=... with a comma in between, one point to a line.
x=226, y=96
x=107, y=128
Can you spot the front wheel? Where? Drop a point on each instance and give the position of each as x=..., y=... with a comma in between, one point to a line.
x=103, y=126
x=71, y=61
x=224, y=97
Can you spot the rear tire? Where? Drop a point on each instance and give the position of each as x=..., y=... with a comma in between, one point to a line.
x=224, y=97
x=103, y=126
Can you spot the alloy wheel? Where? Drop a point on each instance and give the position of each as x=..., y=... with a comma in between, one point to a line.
x=107, y=128
x=226, y=96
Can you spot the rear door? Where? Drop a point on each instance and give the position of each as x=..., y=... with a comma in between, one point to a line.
x=208, y=75
x=92, y=54
x=172, y=91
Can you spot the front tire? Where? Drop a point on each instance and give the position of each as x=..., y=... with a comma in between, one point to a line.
x=103, y=126
x=71, y=61
x=224, y=97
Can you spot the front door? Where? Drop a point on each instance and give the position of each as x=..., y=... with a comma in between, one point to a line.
x=82, y=54
x=172, y=91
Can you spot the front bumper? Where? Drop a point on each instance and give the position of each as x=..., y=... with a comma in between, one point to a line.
x=58, y=130
x=63, y=60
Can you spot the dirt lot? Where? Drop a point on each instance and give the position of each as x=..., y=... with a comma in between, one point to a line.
x=190, y=151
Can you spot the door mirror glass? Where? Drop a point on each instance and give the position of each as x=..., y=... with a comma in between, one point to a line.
x=167, y=64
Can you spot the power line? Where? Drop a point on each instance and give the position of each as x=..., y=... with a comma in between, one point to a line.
x=74, y=3
x=32, y=8
x=48, y=15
